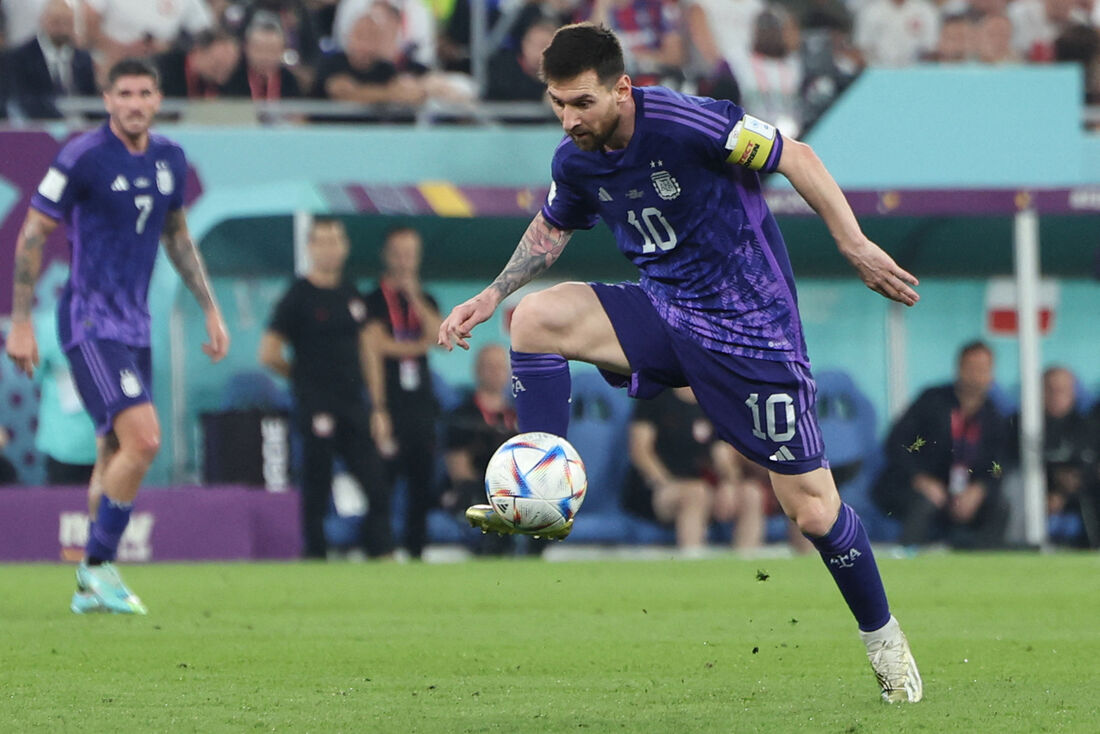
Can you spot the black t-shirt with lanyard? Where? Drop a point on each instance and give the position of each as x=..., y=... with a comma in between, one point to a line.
x=322, y=325
x=408, y=379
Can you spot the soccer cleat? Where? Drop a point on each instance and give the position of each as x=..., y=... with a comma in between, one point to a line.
x=106, y=585
x=86, y=602
x=486, y=518
x=893, y=663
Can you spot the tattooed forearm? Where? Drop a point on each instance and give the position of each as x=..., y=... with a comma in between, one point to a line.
x=28, y=263
x=184, y=254
x=539, y=247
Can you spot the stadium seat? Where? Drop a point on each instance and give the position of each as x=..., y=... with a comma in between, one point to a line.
x=254, y=390
x=597, y=429
x=848, y=425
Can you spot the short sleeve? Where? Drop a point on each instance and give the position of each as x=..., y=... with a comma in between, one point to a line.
x=58, y=188
x=566, y=207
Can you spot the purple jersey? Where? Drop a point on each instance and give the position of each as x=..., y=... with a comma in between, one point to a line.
x=114, y=204
x=685, y=204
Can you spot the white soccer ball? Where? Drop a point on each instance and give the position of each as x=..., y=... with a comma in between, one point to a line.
x=536, y=482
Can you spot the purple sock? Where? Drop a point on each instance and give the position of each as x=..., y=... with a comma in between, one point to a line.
x=847, y=552
x=541, y=387
x=106, y=531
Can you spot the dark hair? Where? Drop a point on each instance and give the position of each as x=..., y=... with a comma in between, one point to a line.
x=398, y=229
x=325, y=221
x=974, y=346
x=583, y=47
x=132, y=67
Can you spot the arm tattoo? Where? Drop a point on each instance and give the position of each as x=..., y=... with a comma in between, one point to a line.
x=184, y=254
x=539, y=247
x=28, y=263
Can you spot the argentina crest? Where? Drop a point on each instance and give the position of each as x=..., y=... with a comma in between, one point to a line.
x=667, y=186
x=165, y=182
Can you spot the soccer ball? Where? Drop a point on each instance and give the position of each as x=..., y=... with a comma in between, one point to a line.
x=536, y=482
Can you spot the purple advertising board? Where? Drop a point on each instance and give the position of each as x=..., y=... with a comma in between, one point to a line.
x=182, y=524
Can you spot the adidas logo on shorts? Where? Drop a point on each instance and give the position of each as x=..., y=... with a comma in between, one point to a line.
x=783, y=454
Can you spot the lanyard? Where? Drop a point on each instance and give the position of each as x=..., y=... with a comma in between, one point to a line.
x=406, y=326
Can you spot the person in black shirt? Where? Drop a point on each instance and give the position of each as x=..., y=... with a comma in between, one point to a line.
x=201, y=70
x=403, y=322
x=944, y=461
x=514, y=74
x=324, y=319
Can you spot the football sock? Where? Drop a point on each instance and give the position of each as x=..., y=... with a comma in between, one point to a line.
x=105, y=533
x=541, y=387
x=847, y=554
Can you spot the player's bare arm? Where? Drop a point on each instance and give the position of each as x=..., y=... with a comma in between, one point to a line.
x=814, y=183
x=184, y=254
x=22, y=347
x=539, y=247
x=374, y=375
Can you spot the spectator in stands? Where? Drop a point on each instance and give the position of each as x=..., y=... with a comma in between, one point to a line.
x=719, y=31
x=753, y=481
x=1037, y=23
x=371, y=69
x=8, y=473
x=770, y=76
x=50, y=65
x=404, y=321
x=475, y=429
x=896, y=32
x=116, y=29
x=993, y=40
x=21, y=20
x=1070, y=454
x=415, y=33
x=262, y=74
x=303, y=44
x=682, y=474
x=323, y=318
x=944, y=461
x=832, y=62
x=651, y=36
x=201, y=71
x=956, y=43
x=515, y=75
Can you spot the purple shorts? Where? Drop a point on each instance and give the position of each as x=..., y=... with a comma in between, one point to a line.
x=110, y=377
x=764, y=408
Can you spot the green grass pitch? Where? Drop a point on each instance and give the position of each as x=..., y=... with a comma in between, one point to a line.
x=1006, y=643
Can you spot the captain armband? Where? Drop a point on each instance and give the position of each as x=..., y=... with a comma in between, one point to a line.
x=750, y=142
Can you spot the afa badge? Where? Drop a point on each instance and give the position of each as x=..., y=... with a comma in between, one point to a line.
x=667, y=186
x=166, y=184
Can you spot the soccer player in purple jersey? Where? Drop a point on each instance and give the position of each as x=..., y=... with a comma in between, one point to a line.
x=119, y=191
x=676, y=178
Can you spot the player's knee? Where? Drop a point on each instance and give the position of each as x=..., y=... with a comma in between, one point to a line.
x=143, y=446
x=813, y=518
x=536, y=322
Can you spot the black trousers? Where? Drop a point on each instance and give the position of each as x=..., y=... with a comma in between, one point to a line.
x=60, y=473
x=415, y=460
x=344, y=432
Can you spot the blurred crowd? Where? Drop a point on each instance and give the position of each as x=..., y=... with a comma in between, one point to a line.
x=785, y=60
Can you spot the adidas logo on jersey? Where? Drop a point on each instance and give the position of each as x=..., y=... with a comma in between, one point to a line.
x=120, y=183
x=604, y=196
x=783, y=454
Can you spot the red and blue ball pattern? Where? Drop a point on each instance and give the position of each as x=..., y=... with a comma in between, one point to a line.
x=536, y=482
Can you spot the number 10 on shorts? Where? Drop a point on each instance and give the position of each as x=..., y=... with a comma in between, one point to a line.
x=772, y=405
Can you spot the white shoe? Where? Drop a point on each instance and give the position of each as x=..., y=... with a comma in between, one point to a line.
x=893, y=663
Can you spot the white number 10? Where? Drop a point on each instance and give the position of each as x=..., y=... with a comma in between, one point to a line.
x=770, y=409
x=654, y=238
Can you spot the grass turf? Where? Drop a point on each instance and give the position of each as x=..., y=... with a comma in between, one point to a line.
x=1006, y=643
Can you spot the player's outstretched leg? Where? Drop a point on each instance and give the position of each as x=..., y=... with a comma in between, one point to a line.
x=100, y=589
x=487, y=520
x=847, y=553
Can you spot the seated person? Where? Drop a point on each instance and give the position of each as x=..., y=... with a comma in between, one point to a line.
x=683, y=474
x=514, y=75
x=262, y=74
x=49, y=65
x=475, y=429
x=201, y=71
x=944, y=461
x=1070, y=459
x=754, y=481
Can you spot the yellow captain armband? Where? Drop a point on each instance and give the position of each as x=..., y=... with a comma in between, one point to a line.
x=751, y=142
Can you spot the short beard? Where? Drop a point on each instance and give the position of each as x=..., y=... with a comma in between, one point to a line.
x=597, y=142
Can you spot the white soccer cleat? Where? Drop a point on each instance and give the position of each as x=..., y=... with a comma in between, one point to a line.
x=893, y=663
